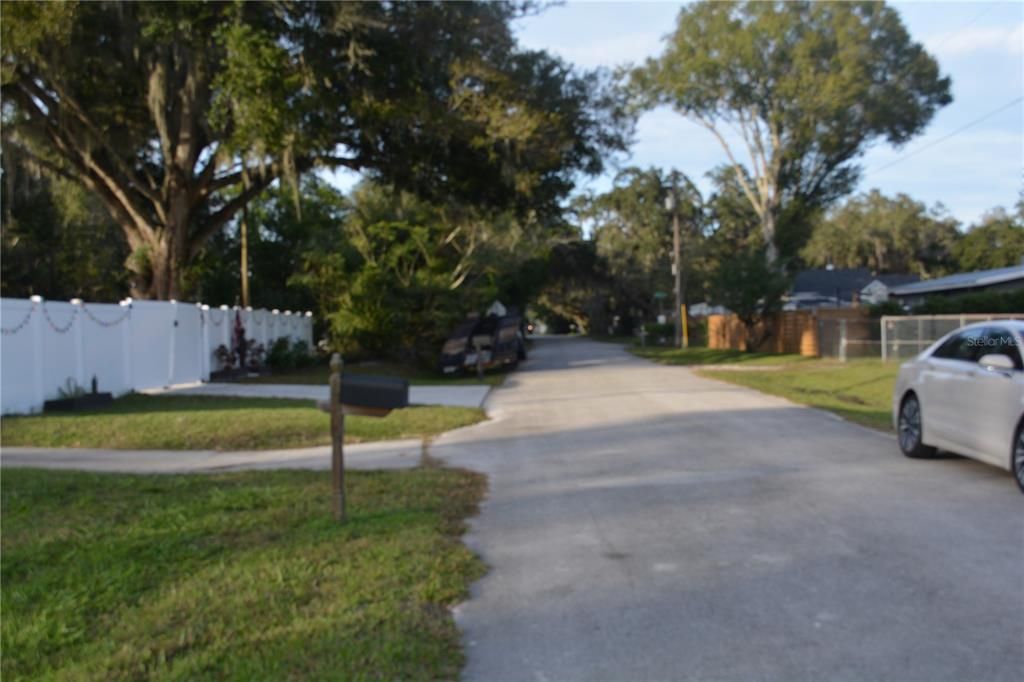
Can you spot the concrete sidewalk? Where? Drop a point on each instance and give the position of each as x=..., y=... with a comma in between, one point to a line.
x=396, y=454
x=452, y=396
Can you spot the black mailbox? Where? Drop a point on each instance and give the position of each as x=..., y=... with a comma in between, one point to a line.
x=373, y=391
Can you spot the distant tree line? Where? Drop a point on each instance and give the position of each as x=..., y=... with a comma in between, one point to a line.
x=794, y=92
x=723, y=252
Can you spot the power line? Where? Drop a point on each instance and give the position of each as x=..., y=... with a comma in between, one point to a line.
x=963, y=27
x=947, y=136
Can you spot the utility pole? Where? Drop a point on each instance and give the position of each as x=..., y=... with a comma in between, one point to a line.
x=672, y=203
x=244, y=236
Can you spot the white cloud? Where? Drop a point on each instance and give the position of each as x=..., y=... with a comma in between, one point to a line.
x=1003, y=39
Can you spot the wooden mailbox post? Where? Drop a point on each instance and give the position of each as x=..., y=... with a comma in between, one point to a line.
x=361, y=394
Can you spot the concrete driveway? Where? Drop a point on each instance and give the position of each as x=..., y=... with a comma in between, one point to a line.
x=644, y=523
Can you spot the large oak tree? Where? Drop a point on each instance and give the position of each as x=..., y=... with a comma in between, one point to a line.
x=177, y=114
x=805, y=86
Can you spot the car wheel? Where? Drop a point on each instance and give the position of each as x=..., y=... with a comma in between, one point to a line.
x=1018, y=456
x=910, y=429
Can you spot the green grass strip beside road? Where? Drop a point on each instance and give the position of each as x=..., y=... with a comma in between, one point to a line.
x=712, y=356
x=859, y=390
x=141, y=422
x=235, y=576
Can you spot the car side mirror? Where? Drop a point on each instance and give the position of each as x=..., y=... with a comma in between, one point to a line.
x=996, y=361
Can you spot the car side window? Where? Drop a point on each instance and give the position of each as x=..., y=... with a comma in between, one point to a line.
x=946, y=350
x=1001, y=341
x=965, y=346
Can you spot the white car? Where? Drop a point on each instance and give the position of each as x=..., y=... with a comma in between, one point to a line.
x=965, y=394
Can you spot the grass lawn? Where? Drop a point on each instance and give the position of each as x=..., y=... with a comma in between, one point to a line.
x=696, y=355
x=860, y=390
x=417, y=377
x=141, y=422
x=235, y=576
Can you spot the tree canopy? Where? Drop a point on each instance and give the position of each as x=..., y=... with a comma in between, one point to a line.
x=632, y=231
x=391, y=273
x=57, y=239
x=176, y=115
x=805, y=87
x=997, y=241
x=887, y=235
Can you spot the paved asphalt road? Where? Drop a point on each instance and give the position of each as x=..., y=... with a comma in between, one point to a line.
x=647, y=524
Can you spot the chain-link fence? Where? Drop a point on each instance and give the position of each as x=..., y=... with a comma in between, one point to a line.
x=905, y=336
x=849, y=338
x=892, y=337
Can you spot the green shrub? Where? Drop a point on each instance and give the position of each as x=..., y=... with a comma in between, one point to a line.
x=301, y=355
x=285, y=355
x=877, y=310
x=981, y=302
x=666, y=330
x=280, y=356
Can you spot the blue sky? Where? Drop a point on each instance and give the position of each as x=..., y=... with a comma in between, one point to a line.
x=980, y=45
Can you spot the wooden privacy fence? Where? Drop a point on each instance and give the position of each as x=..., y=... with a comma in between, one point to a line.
x=791, y=331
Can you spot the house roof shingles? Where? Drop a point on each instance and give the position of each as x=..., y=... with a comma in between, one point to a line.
x=827, y=282
x=963, y=280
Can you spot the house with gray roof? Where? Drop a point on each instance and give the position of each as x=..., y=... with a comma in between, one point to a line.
x=841, y=288
x=999, y=279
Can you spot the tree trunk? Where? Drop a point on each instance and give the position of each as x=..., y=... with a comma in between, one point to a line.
x=165, y=259
x=771, y=252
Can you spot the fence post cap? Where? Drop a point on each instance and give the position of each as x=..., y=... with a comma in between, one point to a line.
x=309, y=313
x=275, y=311
x=76, y=301
x=248, y=308
x=36, y=299
x=203, y=306
x=223, y=307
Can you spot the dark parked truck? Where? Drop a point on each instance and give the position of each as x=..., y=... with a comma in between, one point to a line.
x=498, y=339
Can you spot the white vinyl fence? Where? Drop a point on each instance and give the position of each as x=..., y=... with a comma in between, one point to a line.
x=127, y=346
